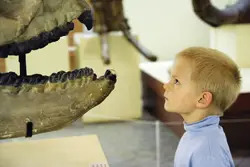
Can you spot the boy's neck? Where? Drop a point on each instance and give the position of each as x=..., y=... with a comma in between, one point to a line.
x=198, y=115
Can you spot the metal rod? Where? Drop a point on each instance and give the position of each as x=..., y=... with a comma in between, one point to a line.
x=29, y=129
x=158, y=143
x=22, y=61
x=105, y=48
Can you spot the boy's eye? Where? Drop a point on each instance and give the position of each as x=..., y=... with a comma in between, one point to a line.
x=176, y=81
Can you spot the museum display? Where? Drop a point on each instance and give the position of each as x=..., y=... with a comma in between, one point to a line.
x=109, y=17
x=32, y=104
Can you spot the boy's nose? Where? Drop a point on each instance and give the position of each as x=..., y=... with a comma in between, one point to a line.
x=167, y=86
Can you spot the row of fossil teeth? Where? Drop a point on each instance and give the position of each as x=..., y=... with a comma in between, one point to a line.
x=36, y=42
x=12, y=79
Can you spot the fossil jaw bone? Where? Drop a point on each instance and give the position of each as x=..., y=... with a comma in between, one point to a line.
x=46, y=103
x=32, y=24
x=234, y=14
x=52, y=102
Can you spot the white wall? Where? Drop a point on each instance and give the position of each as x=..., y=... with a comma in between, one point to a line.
x=166, y=26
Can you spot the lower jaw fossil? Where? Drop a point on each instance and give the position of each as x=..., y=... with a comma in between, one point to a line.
x=49, y=102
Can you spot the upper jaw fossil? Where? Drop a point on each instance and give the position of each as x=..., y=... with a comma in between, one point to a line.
x=32, y=24
x=49, y=102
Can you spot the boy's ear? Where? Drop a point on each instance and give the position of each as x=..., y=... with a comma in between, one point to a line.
x=204, y=100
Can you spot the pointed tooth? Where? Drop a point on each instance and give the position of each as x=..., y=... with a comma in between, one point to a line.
x=110, y=74
x=94, y=77
x=87, y=19
x=4, y=51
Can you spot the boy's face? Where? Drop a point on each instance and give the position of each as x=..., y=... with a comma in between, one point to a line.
x=180, y=95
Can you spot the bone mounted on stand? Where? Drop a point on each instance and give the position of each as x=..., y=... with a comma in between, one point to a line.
x=2, y=65
x=78, y=28
x=109, y=17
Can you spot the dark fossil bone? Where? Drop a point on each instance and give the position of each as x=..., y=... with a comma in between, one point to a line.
x=49, y=102
x=29, y=27
x=239, y=13
x=109, y=17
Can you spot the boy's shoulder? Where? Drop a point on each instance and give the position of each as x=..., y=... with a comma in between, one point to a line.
x=206, y=140
x=211, y=142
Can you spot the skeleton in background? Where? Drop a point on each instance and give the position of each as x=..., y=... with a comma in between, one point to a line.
x=36, y=103
x=109, y=17
x=237, y=13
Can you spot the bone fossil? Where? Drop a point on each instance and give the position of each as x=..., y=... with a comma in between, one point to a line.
x=49, y=102
x=109, y=17
x=238, y=13
x=46, y=103
x=33, y=26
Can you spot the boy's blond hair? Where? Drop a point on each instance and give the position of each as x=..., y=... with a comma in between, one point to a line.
x=215, y=72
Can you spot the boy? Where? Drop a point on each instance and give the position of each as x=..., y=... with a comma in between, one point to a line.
x=204, y=83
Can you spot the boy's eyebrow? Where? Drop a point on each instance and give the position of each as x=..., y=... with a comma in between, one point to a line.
x=169, y=73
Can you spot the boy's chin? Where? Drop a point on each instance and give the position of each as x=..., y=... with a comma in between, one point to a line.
x=168, y=109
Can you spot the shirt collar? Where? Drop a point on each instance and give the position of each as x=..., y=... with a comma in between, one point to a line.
x=208, y=122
